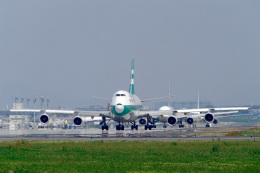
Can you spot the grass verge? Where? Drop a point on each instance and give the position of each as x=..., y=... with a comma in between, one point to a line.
x=130, y=156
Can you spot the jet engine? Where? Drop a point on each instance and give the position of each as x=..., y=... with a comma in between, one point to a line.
x=44, y=118
x=190, y=121
x=172, y=120
x=142, y=121
x=215, y=121
x=209, y=117
x=77, y=121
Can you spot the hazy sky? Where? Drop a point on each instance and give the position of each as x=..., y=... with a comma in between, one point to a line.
x=71, y=50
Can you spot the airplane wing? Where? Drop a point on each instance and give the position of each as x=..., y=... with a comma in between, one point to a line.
x=25, y=110
x=93, y=113
x=224, y=113
x=52, y=111
x=207, y=117
x=209, y=109
x=56, y=111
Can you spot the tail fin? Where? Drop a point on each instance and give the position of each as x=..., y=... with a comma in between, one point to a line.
x=132, y=85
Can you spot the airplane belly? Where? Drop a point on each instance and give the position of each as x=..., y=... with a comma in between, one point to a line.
x=125, y=118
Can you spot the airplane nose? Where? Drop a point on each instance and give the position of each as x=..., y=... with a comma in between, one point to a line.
x=119, y=108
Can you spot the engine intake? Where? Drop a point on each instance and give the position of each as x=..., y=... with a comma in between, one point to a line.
x=77, y=121
x=44, y=118
x=172, y=120
x=190, y=121
x=209, y=117
x=142, y=121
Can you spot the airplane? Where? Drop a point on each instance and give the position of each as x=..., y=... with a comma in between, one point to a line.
x=192, y=116
x=124, y=107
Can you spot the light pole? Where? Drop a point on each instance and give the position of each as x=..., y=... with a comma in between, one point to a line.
x=28, y=102
x=15, y=99
x=42, y=100
x=48, y=101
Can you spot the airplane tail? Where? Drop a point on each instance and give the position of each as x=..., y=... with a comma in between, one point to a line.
x=132, y=85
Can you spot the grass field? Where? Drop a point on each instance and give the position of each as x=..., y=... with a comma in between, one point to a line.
x=130, y=156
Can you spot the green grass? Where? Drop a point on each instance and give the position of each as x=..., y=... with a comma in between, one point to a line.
x=130, y=156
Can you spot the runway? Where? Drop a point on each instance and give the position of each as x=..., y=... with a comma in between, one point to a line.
x=160, y=134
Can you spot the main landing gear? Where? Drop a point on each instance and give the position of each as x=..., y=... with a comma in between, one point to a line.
x=150, y=123
x=180, y=123
x=207, y=125
x=105, y=126
x=134, y=126
x=120, y=127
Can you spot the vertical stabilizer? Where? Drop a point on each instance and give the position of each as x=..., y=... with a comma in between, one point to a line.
x=132, y=85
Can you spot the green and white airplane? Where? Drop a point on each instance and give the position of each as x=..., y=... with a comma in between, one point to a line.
x=124, y=107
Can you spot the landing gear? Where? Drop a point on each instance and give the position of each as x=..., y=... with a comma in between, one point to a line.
x=104, y=127
x=164, y=126
x=150, y=123
x=134, y=126
x=207, y=125
x=149, y=127
x=180, y=124
x=120, y=127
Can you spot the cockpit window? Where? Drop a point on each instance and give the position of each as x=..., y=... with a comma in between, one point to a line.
x=117, y=94
x=123, y=95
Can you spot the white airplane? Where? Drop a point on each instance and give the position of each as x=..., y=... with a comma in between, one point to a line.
x=124, y=107
x=192, y=116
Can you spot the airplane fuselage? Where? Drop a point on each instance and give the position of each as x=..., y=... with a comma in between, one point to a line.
x=122, y=106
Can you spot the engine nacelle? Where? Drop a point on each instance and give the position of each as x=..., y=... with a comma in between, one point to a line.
x=209, y=117
x=142, y=121
x=77, y=121
x=215, y=121
x=190, y=120
x=44, y=118
x=172, y=120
